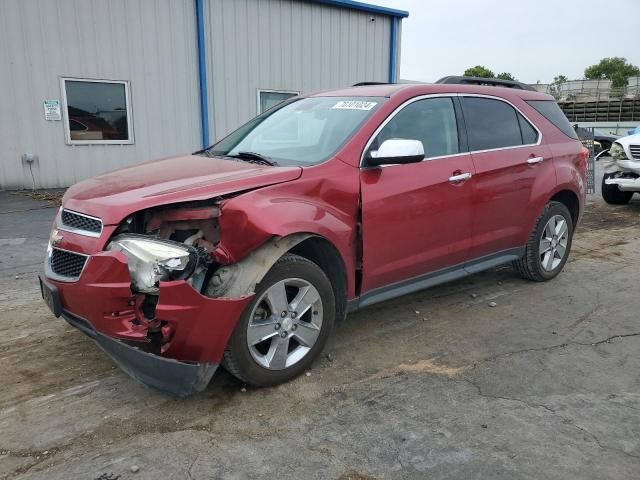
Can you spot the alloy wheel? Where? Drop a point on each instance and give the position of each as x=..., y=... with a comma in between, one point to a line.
x=285, y=323
x=553, y=243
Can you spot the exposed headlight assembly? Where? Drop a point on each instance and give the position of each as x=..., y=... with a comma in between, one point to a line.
x=617, y=152
x=151, y=260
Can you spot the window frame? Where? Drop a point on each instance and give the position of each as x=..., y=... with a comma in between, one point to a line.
x=524, y=115
x=294, y=93
x=66, y=119
x=459, y=128
x=462, y=125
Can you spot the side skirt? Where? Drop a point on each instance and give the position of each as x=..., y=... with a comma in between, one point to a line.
x=432, y=279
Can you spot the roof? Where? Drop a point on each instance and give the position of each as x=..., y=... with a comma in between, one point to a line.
x=390, y=89
x=365, y=7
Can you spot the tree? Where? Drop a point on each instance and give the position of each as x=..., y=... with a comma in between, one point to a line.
x=506, y=76
x=478, y=71
x=554, y=87
x=615, y=69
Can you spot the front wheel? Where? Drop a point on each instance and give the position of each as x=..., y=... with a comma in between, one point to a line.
x=549, y=244
x=285, y=327
x=612, y=194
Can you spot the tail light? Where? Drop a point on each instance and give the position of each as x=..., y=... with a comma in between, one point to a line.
x=584, y=157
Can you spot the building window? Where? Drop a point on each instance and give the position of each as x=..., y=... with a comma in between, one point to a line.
x=97, y=111
x=271, y=98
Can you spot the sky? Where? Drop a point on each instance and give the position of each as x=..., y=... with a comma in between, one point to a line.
x=533, y=40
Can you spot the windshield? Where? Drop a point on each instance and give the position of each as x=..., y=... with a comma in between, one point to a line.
x=305, y=131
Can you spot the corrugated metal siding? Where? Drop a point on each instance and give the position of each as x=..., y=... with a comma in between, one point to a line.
x=151, y=43
x=286, y=45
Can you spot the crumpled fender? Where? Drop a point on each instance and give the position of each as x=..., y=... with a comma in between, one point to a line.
x=324, y=207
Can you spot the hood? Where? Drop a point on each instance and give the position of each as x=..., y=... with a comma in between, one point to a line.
x=114, y=195
x=629, y=140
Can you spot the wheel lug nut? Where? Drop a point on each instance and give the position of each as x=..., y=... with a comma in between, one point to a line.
x=294, y=326
x=293, y=314
x=283, y=314
x=277, y=326
x=283, y=334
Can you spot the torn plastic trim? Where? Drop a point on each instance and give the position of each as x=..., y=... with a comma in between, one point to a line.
x=167, y=375
x=241, y=278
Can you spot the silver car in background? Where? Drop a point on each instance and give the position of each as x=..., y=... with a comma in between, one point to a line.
x=622, y=170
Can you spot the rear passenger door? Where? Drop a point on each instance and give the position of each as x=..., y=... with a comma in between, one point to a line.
x=508, y=159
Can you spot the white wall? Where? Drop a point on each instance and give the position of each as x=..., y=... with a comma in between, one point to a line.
x=151, y=43
x=294, y=45
x=286, y=45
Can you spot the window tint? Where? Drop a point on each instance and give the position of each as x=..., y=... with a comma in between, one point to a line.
x=432, y=121
x=551, y=111
x=97, y=111
x=490, y=123
x=529, y=134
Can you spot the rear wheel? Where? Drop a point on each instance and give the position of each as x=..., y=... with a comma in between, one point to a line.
x=612, y=194
x=285, y=327
x=549, y=244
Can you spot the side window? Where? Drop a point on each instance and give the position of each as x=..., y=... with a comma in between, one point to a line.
x=529, y=134
x=490, y=123
x=432, y=121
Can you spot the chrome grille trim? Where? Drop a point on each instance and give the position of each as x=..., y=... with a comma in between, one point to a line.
x=635, y=151
x=67, y=266
x=79, y=223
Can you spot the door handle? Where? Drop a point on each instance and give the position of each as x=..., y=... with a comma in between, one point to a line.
x=535, y=160
x=460, y=177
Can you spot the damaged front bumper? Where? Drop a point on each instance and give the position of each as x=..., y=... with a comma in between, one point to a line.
x=195, y=328
x=164, y=374
x=625, y=184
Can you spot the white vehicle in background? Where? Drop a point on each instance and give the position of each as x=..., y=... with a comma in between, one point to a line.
x=622, y=170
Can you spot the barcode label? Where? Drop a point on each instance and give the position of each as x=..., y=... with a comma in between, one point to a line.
x=354, y=105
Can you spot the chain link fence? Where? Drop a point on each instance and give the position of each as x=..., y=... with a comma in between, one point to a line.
x=587, y=139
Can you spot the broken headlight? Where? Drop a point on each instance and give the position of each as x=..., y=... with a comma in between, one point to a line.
x=151, y=260
x=617, y=152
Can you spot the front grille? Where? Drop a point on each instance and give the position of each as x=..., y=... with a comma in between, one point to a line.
x=635, y=151
x=67, y=264
x=81, y=222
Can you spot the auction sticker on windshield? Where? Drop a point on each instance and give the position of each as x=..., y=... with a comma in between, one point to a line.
x=354, y=105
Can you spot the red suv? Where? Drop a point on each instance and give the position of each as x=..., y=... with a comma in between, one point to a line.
x=244, y=254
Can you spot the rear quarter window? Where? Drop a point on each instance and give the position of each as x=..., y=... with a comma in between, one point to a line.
x=552, y=112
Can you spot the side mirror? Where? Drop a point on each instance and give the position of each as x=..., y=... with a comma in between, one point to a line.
x=396, y=151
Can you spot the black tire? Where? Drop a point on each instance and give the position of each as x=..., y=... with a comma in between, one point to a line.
x=612, y=194
x=237, y=358
x=530, y=265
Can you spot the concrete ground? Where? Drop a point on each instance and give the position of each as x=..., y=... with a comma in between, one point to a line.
x=545, y=385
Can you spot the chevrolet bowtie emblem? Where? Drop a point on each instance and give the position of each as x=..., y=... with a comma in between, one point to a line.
x=55, y=237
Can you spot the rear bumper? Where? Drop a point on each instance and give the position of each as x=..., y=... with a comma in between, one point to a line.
x=167, y=375
x=195, y=329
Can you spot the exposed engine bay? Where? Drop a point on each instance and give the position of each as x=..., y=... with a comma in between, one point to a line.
x=169, y=243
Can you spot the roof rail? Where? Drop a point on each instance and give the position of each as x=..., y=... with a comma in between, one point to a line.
x=493, y=82
x=364, y=84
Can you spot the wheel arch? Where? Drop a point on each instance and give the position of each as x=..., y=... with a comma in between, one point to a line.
x=241, y=278
x=323, y=253
x=570, y=200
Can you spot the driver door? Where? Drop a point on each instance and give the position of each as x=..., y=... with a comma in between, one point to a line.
x=416, y=218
